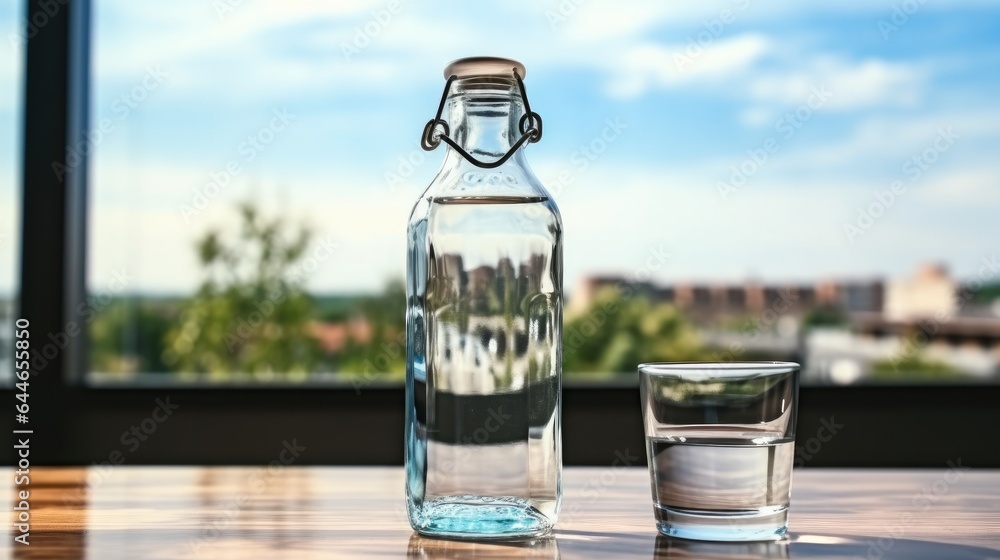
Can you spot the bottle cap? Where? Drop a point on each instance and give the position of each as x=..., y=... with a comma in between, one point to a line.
x=482, y=66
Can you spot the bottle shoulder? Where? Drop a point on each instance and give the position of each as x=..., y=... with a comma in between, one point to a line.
x=513, y=182
x=459, y=177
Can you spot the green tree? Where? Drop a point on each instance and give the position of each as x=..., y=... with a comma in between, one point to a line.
x=384, y=355
x=617, y=333
x=987, y=293
x=249, y=315
x=127, y=337
x=914, y=368
x=824, y=317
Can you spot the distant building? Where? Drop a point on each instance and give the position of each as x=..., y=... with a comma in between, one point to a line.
x=929, y=293
x=930, y=303
x=924, y=314
x=333, y=337
x=708, y=301
x=929, y=309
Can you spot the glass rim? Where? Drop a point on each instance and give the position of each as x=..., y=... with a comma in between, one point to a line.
x=719, y=368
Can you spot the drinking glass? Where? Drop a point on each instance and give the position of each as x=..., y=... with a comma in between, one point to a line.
x=720, y=444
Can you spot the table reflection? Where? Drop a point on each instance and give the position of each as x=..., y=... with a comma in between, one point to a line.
x=817, y=547
x=428, y=548
x=667, y=547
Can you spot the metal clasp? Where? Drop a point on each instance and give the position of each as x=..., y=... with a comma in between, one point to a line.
x=530, y=127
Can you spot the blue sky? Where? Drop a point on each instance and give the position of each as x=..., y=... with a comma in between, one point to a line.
x=696, y=87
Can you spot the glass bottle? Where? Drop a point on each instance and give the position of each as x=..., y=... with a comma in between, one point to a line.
x=484, y=320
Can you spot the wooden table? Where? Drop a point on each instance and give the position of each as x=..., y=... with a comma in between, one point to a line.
x=299, y=513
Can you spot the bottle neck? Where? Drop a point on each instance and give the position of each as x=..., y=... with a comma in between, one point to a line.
x=483, y=116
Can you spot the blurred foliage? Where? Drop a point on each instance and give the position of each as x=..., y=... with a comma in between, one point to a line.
x=737, y=322
x=127, y=336
x=618, y=332
x=824, y=317
x=249, y=315
x=335, y=308
x=988, y=293
x=913, y=368
x=384, y=354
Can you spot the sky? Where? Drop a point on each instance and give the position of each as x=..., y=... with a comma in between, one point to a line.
x=780, y=141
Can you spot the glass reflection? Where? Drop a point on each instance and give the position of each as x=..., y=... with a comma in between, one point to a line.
x=439, y=549
x=667, y=547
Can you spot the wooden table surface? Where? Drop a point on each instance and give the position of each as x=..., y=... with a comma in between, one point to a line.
x=303, y=513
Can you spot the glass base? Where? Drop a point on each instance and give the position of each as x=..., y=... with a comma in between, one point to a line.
x=480, y=518
x=764, y=524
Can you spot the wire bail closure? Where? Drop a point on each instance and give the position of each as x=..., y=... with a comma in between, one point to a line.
x=530, y=126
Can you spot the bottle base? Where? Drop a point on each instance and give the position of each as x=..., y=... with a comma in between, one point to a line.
x=480, y=518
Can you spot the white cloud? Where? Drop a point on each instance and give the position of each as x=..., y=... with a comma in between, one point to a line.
x=893, y=140
x=756, y=116
x=651, y=65
x=265, y=52
x=972, y=186
x=599, y=20
x=254, y=47
x=865, y=83
x=603, y=20
x=759, y=69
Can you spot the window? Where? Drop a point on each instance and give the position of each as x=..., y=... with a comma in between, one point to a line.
x=812, y=184
x=625, y=130
x=11, y=86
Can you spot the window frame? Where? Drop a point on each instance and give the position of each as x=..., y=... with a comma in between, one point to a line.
x=854, y=426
